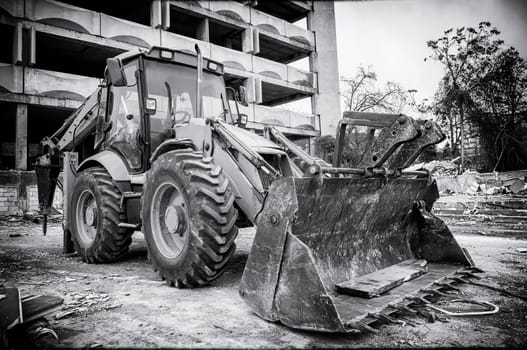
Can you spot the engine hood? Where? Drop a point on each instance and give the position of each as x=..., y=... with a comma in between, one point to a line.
x=257, y=143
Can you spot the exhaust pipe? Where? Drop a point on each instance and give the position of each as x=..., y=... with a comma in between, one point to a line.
x=199, y=68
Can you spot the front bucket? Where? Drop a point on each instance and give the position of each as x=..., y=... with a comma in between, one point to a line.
x=330, y=252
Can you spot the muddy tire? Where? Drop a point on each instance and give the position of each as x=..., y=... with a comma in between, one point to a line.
x=95, y=215
x=188, y=218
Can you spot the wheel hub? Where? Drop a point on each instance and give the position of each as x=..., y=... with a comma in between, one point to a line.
x=86, y=217
x=175, y=219
x=90, y=216
x=169, y=220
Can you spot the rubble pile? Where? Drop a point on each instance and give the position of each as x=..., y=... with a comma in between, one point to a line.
x=516, y=186
x=78, y=303
x=441, y=167
x=474, y=183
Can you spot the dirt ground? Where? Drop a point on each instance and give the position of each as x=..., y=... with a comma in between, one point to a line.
x=126, y=305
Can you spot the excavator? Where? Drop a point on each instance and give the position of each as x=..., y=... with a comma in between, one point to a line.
x=158, y=148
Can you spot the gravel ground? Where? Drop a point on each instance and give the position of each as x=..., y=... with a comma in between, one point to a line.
x=126, y=305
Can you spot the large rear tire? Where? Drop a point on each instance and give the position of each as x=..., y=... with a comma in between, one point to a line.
x=95, y=214
x=188, y=218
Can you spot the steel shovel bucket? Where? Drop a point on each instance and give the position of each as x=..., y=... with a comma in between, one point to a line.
x=331, y=252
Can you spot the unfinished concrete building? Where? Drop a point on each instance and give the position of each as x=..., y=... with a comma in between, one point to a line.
x=53, y=56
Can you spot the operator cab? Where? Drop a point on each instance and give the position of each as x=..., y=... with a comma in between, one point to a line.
x=150, y=93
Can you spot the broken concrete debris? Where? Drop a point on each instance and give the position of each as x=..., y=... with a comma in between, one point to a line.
x=64, y=314
x=475, y=183
x=80, y=303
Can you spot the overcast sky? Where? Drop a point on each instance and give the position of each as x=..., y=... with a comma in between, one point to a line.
x=391, y=35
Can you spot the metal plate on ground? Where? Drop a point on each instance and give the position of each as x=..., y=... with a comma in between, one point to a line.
x=34, y=307
x=10, y=308
x=381, y=281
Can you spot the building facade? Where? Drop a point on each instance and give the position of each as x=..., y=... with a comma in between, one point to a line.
x=53, y=56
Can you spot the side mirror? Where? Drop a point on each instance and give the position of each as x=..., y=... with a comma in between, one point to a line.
x=242, y=120
x=116, y=72
x=151, y=106
x=242, y=96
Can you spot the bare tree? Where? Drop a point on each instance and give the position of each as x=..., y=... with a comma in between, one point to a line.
x=362, y=94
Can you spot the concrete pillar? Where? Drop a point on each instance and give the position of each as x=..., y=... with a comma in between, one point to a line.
x=17, y=44
x=250, y=89
x=165, y=14
x=258, y=94
x=249, y=41
x=256, y=40
x=21, y=137
x=325, y=63
x=202, y=32
x=156, y=15
x=31, y=46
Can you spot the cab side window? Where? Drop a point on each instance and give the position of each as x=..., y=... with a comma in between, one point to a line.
x=125, y=117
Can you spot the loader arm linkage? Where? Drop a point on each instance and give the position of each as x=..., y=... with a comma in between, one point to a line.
x=249, y=153
x=72, y=132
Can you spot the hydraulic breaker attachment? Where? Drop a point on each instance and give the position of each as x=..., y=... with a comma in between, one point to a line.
x=47, y=169
x=331, y=252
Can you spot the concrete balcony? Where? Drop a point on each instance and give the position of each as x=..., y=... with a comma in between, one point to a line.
x=11, y=78
x=63, y=15
x=58, y=85
x=288, y=10
x=129, y=32
x=302, y=78
x=290, y=122
x=275, y=70
x=280, y=40
x=231, y=9
x=231, y=58
x=273, y=37
x=223, y=23
x=271, y=24
x=226, y=11
x=276, y=83
x=300, y=35
x=267, y=22
x=180, y=42
x=14, y=8
x=269, y=68
x=203, y=4
x=285, y=118
x=275, y=92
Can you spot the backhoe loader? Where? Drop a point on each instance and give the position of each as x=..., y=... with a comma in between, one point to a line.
x=338, y=247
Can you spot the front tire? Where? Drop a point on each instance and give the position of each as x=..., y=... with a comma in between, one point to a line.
x=188, y=218
x=95, y=214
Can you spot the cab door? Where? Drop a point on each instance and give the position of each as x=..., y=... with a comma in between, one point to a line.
x=123, y=114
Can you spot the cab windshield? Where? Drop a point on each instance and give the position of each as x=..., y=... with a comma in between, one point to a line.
x=174, y=88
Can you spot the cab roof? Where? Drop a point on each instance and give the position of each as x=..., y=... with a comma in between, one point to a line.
x=165, y=54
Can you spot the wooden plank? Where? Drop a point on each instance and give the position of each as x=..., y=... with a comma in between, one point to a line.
x=381, y=281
